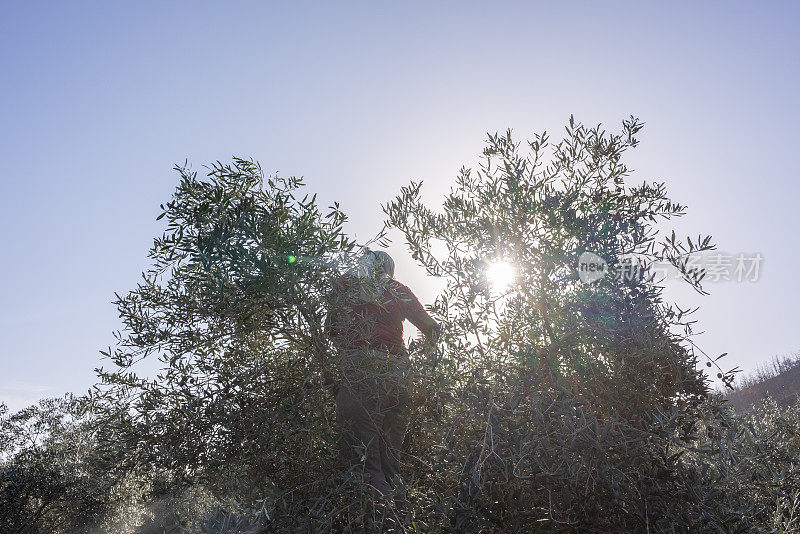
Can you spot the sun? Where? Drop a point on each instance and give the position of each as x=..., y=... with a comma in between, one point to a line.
x=500, y=275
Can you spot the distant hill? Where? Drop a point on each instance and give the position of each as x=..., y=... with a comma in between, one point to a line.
x=779, y=380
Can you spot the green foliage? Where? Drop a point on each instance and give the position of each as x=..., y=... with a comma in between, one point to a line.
x=53, y=478
x=550, y=405
x=567, y=404
x=233, y=309
x=540, y=216
x=757, y=460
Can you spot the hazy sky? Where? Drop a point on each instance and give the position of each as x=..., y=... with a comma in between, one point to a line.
x=98, y=102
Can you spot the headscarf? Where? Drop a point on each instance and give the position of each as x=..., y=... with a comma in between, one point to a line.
x=373, y=271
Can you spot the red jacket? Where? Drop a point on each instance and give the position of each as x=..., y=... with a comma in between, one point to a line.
x=358, y=322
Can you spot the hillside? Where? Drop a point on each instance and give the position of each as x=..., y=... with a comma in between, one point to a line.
x=780, y=381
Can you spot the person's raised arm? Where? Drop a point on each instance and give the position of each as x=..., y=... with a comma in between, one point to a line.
x=427, y=325
x=417, y=315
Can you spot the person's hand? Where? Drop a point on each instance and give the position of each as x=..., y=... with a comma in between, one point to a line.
x=428, y=344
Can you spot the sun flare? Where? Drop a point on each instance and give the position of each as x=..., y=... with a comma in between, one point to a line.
x=500, y=275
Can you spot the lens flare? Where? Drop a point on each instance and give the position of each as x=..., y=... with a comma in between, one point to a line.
x=500, y=275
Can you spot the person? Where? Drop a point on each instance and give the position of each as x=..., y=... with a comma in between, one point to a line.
x=365, y=322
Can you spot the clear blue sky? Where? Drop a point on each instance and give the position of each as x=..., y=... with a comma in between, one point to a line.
x=99, y=100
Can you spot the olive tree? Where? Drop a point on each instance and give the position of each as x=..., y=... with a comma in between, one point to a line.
x=233, y=313
x=561, y=400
